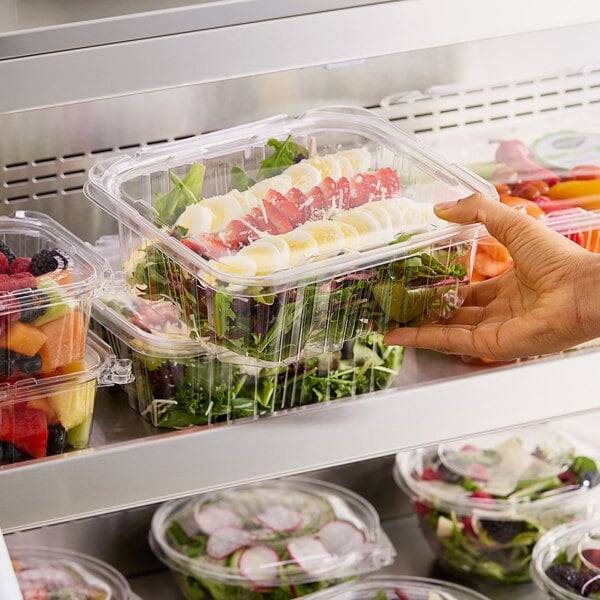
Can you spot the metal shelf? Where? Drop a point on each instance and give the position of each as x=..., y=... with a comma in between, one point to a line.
x=130, y=464
x=135, y=53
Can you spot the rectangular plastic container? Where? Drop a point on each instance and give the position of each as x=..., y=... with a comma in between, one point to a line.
x=48, y=278
x=47, y=416
x=178, y=384
x=283, y=239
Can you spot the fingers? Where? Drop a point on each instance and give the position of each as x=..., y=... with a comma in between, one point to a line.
x=446, y=339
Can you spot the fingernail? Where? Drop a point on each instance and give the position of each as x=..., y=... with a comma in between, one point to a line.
x=443, y=206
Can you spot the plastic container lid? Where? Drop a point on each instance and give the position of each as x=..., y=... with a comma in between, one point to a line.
x=528, y=469
x=281, y=532
x=566, y=561
x=60, y=572
x=398, y=588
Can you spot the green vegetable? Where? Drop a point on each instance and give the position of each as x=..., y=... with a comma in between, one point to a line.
x=240, y=180
x=168, y=207
x=286, y=154
x=380, y=595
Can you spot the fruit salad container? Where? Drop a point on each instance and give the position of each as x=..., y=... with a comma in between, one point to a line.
x=483, y=503
x=380, y=587
x=57, y=573
x=48, y=278
x=285, y=238
x=179, y=384
x=566, y=561
x=279, y=539
x=50, y=415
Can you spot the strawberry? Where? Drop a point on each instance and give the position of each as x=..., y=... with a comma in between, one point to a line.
x=262, y=222
x=483, y=496
x=359, y=190
x=389, y=184
x=237, y=234
x=207, y=245
x=343, y=193
x=287, y=208
x=276, y=218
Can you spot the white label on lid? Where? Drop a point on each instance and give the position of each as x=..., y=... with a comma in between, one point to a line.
x=567, y=149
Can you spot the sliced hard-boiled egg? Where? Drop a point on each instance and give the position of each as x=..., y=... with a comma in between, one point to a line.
x=281, y=183
x=328, y=235
x=236, y=265
x=267, y=254
x=304, y=176
x=360, y=158
x=379, y=213
x=224, y=208
x=245, y=199
x=303, y=246
x=365, y=223
x=351, y=235
x=345, y=165
x=196, y=218
x=394, y=208
x=327, y=166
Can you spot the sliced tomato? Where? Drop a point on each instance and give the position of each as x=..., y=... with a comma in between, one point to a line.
x=343, y=193
x=288, y=209
x=583, y=172
x=276, y=218
x=359, y=190
x=389, y=184
x=207, y=245
x=261, y=219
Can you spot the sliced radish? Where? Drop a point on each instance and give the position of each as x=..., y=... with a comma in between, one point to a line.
x=401, y=594
x=260, y=565
x=225, y=541
x=214, y=517
x=311, y=555
x=341, y=538
x=281, y=518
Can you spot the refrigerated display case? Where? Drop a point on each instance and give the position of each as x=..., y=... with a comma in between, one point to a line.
x=86, y=82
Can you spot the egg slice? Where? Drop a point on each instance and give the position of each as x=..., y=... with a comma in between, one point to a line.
x=281, y=183
x=360, y=158
x=304, y=176
x=269, y=254
x=303, y=246
x=245, y=199
x=351, y=236
x=224, y=208
x=327, y=166
x=366, y=225
x=196, y=218
x=346, y=168
x=236, y=265
x=328, y=235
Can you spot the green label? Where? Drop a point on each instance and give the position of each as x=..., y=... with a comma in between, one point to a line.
x=567, y=149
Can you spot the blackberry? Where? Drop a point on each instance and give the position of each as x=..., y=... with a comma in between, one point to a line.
x=8, y=358
x=566, y=576
x=57, y=439
x=501, y=531
x=34, y=303
x=167, y=379
x=46, y=261
x=10, y=455
x=29, y=364
x=5, y=249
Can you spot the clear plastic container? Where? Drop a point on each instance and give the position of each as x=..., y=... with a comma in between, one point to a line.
x=46, y=416
x=278, y=539
x=179, y=384
x=482, y=503
x=402, y=587
x=566, y=561
x=310, y=231
x=48, y=278
x=57, y=573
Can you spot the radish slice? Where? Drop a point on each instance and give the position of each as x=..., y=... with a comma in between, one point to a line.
x=215, y=517
x=281, y=518
x=260, y=565
x=311, y=555
x=225, y=541
x=341, y=538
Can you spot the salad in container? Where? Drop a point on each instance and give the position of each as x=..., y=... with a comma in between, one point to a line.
x=401, y=587
x=50, y=415
x=483, y=503
x=275, y=540
x=566, y=561
x=179, y=384
x=48, y=278
x=284, y=238
x=54, y=573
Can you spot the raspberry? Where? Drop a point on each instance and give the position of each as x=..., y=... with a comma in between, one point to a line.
x=4, y=264
x=5, y=249
x=482, y=495
x=10, y=283
x=46, y=261
x=19, y=265
x=10, y=307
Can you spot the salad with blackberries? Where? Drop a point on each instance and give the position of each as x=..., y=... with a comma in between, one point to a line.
x=482, y=504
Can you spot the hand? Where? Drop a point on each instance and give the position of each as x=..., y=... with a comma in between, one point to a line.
x=548, y=301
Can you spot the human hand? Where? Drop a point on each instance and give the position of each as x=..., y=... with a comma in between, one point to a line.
x=548, y=301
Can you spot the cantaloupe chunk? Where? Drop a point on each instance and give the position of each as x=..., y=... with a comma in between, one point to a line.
x=65, y=343
x=62, y=276
x=23, y=338
x=44, y=405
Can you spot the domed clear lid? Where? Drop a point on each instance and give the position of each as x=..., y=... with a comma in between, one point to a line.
x=271, y=534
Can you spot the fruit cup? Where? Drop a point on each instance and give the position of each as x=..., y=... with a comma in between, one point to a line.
x=283, y=239
x=566, y=561
x=380, y=587
x=280, y=539
x=57, y=573
x=179, y=384
x=53, y=414
x=48, y=278
x=483, y=503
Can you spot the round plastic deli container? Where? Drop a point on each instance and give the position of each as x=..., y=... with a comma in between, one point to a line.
x=57, y=573
x=280, y=539
x=566, y=561
x=398, y=588
x=483, y=503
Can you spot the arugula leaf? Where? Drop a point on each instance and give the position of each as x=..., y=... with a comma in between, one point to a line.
x=286, y=154
x=185, y=192
x=240, y=180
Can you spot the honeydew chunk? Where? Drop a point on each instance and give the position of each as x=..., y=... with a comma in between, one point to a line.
x=224, y=208
x=327, y=165
x=270, y=253
x=236, y=265
x=365, y=223
x=303, y=246
x=281, y=183
x=360, y=158
x=304, y=175
x=328, y=235
x=196, y=218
